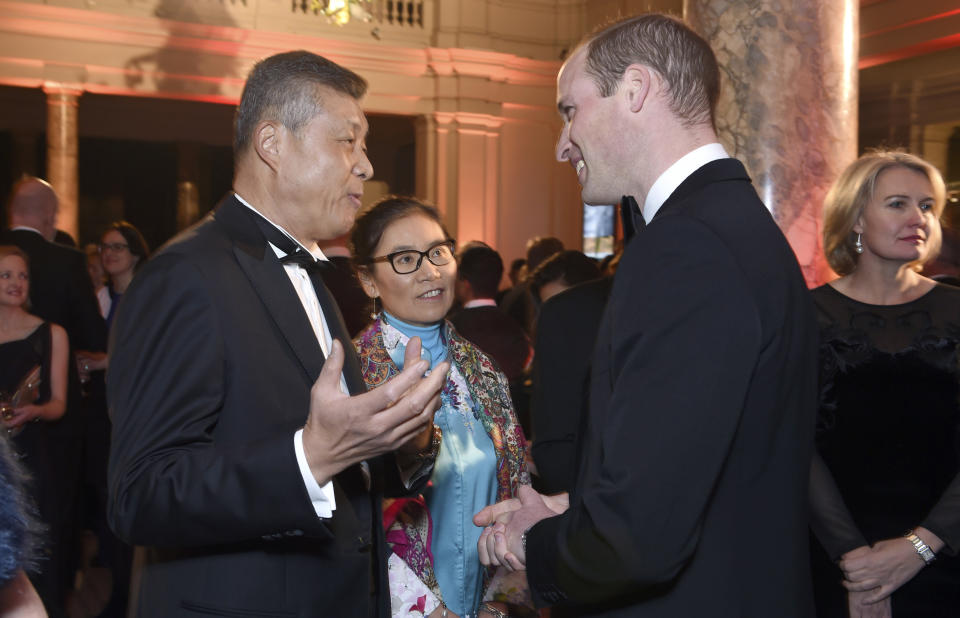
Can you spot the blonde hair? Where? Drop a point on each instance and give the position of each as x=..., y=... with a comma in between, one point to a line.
x=854, y=188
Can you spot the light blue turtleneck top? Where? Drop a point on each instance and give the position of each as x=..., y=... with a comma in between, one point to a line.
x=463, y=479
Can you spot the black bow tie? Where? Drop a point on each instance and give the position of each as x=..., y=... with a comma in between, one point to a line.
x=304, y=260
x=630, y=217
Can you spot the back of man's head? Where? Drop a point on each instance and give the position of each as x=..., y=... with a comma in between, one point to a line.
x=33, y=203
x=285, y=87
x=540, y=248
x=681, y=57
x=482, y=268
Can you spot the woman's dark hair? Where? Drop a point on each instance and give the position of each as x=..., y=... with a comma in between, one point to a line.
x=135, y=241
x=372, y=222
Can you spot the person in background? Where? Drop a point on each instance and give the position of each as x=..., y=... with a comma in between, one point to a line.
x=481, y=322
x=97, y=277
x=561, y=271
x=405, y=259
x=123, y=252
x=885, y=483
x=33, y=389
x=519, y=303
x=343, y=284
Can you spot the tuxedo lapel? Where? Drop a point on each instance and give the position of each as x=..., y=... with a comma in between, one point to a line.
x=272, y=285
x=720, y=170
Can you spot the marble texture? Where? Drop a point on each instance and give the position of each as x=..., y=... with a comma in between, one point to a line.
x=62, y=142
x=788, y=104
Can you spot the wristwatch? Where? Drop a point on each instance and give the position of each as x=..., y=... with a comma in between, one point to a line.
x=922, y=548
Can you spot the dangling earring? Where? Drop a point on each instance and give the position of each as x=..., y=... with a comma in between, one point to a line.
x=858, y=245
x=373, y=314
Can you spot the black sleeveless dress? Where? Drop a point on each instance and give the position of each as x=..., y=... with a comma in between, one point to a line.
x=17, y=359
x=888, y=432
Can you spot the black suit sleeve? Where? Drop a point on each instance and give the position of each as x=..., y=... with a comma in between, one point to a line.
x=677, y=351
x=170, y=482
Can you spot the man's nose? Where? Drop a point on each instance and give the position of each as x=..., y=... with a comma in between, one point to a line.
x=563, y=144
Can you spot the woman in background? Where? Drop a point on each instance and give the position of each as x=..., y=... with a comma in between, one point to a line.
x=885, y=489
x=405, y=262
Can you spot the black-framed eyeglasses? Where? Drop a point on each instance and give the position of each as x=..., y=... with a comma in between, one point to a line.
x=116, y=247
x=409, y=260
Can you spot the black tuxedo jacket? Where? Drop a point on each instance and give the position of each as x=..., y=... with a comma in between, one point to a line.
x=210, y=372
x=60, y=288
x=566, y=334
x=692, y=494
x=498, y=335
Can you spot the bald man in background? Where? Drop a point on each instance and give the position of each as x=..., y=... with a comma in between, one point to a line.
x=60, y=292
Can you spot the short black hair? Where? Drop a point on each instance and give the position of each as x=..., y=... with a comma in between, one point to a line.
x=482, y=267
x=571, y=267
x=284, y=87
x=372, y=222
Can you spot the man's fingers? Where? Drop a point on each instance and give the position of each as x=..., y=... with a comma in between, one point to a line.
x=496, y=512
x=482, y=546
x=528, y=495
x=514, y=563
x=412, y=352
x=860, y=586
x=329, y=378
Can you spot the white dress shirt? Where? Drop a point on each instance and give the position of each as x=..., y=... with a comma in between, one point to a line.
x=322, y=498
x=674, y=175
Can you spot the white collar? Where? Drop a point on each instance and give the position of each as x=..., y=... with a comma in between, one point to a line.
x=317, y=253
x=674, y=175
x=479, y=302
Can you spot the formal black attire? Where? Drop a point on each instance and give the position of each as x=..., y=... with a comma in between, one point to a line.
x=692, y=493
x=60, y=288
x=497, y=335
x=210, y=373
x=888, y=436
x=61, y=292
x=346, y=290
x=566, y=334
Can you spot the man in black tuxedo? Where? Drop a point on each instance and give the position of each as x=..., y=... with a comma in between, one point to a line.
x=479, y=270
x=691, y=498
x=60, y=292
x=245, y=453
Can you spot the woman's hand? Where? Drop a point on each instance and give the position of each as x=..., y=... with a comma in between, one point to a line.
x=859, y=608
x=885, y=567
x=18, y=417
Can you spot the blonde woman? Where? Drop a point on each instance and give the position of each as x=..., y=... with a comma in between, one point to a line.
x=884, y=485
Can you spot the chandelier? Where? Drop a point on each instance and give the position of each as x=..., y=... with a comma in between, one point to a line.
x=341, y=11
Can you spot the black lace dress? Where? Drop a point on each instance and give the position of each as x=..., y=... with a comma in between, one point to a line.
x=888, y=439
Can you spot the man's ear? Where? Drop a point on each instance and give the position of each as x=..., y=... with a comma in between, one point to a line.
x=268, y=139
x=367, y=283
x=636, y=84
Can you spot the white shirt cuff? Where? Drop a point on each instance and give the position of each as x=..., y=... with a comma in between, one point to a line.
x=322, y=498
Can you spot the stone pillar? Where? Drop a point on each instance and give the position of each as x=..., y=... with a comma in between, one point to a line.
x=62, y=141
x=788, y=105
x=188, y=200
x=467, y=168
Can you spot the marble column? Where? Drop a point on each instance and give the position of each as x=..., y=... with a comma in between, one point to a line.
x=788, y=105
x=62, y=141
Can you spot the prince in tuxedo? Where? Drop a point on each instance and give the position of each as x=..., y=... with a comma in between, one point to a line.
x=245, y=454
x=691, y=496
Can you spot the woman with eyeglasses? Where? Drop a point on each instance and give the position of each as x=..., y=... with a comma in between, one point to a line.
x=405, y=262
x=123, y=251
